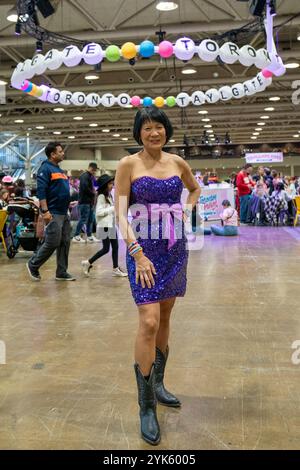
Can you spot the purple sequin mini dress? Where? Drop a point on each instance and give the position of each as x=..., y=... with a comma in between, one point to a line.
x=168, y=253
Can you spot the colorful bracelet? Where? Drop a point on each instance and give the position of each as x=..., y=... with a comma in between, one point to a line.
x=134, y=248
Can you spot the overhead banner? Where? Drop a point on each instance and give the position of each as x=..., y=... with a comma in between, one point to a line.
x=271, y=157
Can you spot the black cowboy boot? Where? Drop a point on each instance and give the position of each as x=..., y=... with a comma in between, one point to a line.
x=147, y=401
x=163, y=396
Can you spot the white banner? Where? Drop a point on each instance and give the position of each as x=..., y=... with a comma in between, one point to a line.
x=272, y=157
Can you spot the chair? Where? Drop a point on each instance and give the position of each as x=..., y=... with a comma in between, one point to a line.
x=3, y=218
x=297, y=206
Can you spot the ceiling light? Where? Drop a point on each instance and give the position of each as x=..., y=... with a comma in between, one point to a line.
x=203, y=112
x=166, y=6
x=274, y=98
x=124, y=138
x=2, y=82
x=207, y=126
x=93, y=124
x=261, y=123
x=292, y=65
x=172, y=141
x=264, y=117
x=269, y=109
x=210, y=131
x=19, y=121
x=296, y=135
x=40, y=127
x=205, y=120
x=91, y=77
x=255, y=133
x=188, y=70
x=56, y=132
x=58, y=110
x=12, y=15
x=116, y=135
x=258, y=128
x=298, y=37
x=78, y=118
x=71, y=137
x=105, y=130
x=253, y=138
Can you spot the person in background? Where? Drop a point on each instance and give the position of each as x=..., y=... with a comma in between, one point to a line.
x=105, y=215
x=244, y=185
x=54, y=195
x=87, y=197
x=291, y=188
x=8, y=183
x=4, y=198
x=229, y=220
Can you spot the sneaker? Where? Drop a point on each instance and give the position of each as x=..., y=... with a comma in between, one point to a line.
x=86, y=267
x=92, y=239
x=33, y=273
x=65, y=277
x=78, y=239
x=119, y=272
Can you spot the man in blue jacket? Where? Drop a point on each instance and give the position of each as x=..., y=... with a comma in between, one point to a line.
x=53, y=192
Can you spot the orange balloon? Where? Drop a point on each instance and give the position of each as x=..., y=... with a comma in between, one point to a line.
x=159, y=102
x=129, y=50
x=34, y=90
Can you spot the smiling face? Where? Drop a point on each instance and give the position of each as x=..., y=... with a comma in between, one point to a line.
x=153, y=135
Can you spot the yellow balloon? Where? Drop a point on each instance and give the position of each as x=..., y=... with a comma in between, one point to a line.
x=159, y=102
x=34, y=90
x=129, y=50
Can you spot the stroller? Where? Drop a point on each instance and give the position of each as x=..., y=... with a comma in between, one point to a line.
x=21, y=229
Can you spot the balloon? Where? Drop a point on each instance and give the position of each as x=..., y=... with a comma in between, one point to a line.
x=229, y=53
x=17, y=78
x=39, y=92
x=249, y=88
x=92, y=54
x=262, y=59
x=25, y=85
x=92, y=100
x=212, y=95
x=108, y=99
x=45, y=90
x=38, y=65
x=183, y=100
x=65, y=97
x=184, y=48
x=33, y=91
x=53, y=59
x=147, y=101
x=171, y=101
x=71, y=56
x=165, y=49
x=129, y=50
x=198, y=98
x=123, y=100
x=225, y=93
x=159, y=102
x=113, y=53
x=247, y=55
x=146, y=49
x=135, y=101
x=267, y=73
x=238, y=90
x=53, y=96
x=27, y=70
x=78, y=98
x=208, y=50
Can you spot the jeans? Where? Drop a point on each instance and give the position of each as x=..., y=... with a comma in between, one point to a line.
x=86, y=218
x=57, y=237
x=226, y=231
x=244, y=203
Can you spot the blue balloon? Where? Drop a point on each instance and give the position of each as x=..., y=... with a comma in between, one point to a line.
x=147, y=101
x=147, y=49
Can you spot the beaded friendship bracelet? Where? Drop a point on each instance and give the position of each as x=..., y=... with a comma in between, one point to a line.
x=134, y=248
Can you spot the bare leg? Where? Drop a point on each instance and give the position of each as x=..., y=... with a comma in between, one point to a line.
x=146, y=335
x=162, y=336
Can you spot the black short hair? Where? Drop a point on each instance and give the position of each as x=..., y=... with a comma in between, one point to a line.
x=151, y=113
x=248, y=165
x=93, y=165
x=226, y=203
x=51, y=147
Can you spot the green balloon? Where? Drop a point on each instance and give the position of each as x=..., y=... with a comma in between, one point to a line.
x=113, y=53
x=171, y=101
x=39, y=93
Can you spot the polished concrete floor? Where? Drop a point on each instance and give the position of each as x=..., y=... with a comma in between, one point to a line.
x=68, y=382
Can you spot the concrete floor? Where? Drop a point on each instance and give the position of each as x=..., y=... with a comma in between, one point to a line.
x=69, y=383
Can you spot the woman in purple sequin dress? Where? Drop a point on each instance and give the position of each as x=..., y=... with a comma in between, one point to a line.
x=150, y=184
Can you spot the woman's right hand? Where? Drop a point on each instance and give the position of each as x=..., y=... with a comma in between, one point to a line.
x=144, y=270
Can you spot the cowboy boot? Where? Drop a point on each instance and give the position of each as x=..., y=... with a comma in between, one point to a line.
x=149, y=425
x=163, y=396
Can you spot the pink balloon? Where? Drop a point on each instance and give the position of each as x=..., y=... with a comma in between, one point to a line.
x=135, y=101
x=266, y=73
x=165, y=49
x=25, y=85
